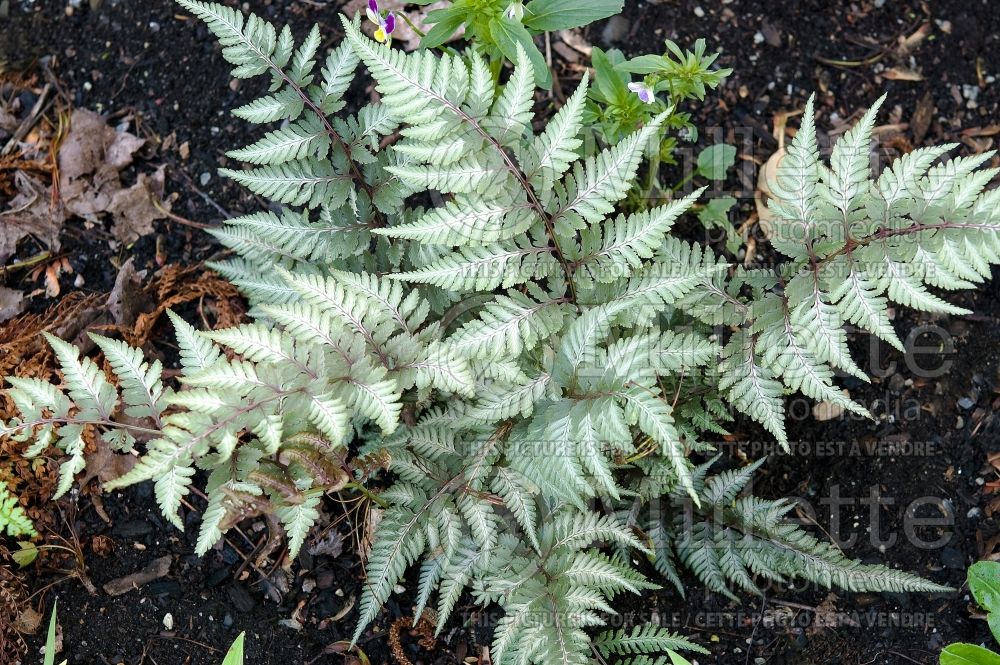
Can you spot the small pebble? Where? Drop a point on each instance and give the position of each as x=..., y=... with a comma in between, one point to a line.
x=205, y=178
x=699, y=12
x=759, y=38
x=168, y=621
x=970, y=92
x=966, y=403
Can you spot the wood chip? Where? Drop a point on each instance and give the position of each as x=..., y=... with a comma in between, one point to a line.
x=824, y=411
x=156, y=569
x=902, y=74
x=921, y=120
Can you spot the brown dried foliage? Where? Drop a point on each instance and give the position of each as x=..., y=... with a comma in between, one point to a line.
x=12, y=600
x=423, y=631
x=24, y=353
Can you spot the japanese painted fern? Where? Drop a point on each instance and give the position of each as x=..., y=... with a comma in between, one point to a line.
x=517, y=352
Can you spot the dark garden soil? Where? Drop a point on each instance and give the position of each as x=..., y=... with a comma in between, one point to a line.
x=926, y=456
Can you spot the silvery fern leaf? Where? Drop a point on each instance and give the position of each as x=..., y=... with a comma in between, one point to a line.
x=249, y=44
x=510, y=324
x=622, y=245
x=298, y=519
x=338, y=72
x=285, y=104
x=305, y=138
x=86, y=385
x=552, y=152
x=605, y=179
x=847, y=179
x=467, y=220
x=197, y=352
x=305, y=182
x=510, y=118
x=751, y=387
x=531, y=341
x=142, y=389
x=643, y=639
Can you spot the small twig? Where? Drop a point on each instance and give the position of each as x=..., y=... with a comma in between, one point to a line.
x=182, y=220
x=756, y=625
x=208, y=199
x=22, y=208
x=41, y=105
x=904, y=657
x=42, y=257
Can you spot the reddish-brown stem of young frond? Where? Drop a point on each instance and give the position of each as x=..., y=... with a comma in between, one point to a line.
x=884, y=233
x=355, y=171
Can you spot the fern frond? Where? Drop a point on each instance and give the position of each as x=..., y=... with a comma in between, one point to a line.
x=13, y=520
x=142, y=390
x=643, y=640
x=86, y=384
x=305, y=182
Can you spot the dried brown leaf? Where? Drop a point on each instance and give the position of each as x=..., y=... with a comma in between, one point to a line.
x=11, y=303
x=29, y=212
x=133, y=208
x=922, y=116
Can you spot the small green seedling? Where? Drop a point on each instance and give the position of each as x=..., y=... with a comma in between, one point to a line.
x=984, y=583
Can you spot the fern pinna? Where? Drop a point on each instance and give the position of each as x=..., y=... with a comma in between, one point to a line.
x=518, y=351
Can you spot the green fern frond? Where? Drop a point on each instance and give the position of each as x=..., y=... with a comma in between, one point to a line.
x=13, y=520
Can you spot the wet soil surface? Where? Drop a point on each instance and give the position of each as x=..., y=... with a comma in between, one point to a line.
x=925, y=457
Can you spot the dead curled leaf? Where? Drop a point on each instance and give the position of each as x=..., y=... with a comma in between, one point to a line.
x=105, y=464
x=907, y=44
x=30, y=212
x=90, y=163
x=28, y=621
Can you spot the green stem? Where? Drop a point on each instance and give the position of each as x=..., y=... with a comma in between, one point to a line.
x=408, y=22
x=368, y=494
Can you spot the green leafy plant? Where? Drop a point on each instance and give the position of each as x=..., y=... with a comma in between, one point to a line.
x=13, y=520
x=528, y=377
x=984, y=583
x=500, y=28
x=618, y=106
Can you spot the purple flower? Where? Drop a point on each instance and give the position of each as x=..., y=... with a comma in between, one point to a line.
x=644, y=92
x=385, y=24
